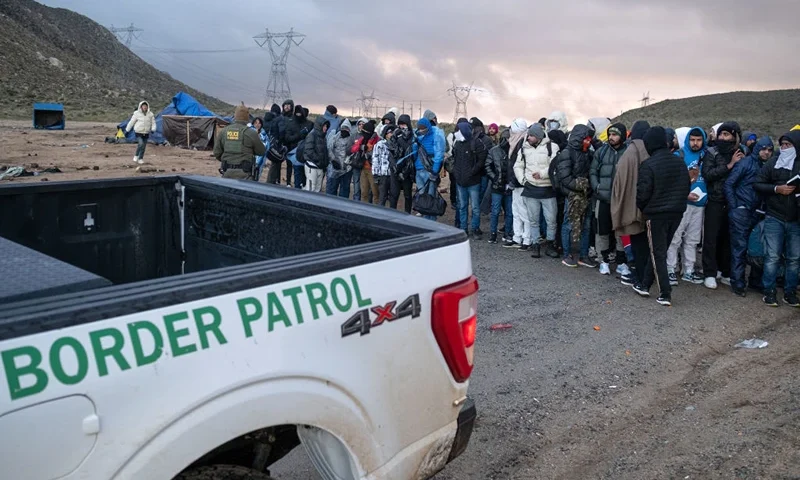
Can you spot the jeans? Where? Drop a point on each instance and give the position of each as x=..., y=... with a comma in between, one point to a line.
x=781, y=238
x=536, y=208
x=339, y=185
x=141, y=145
x=469, y=197
x=742, y=222
x=422, y=178
x=716, y=240
x=484, y=187
x=299, y=176
x=566, y=232
x=357, y=184
x=504, y=202
x=659, y=233
x=454, y=202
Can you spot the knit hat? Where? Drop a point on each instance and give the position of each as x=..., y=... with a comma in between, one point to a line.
x=537, y=131
x=494, y=125
x=638, y=130
x=332, y=109
x=619, y=129
x=655, y=139
x=731, y=127
x=369, y=127
x=298, y=109
x=241, y=114
x=519, y=125
x=388, y=129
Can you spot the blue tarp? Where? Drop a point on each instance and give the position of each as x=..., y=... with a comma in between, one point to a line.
x=182, y=104
x=49, y=116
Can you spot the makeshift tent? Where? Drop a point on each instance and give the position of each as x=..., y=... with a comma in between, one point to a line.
x=48, y=116
x=201, y=124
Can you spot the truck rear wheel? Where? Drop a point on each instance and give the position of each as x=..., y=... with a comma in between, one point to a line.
x=222, y=472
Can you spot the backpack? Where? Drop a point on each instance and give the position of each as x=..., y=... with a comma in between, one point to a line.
x=299, y=153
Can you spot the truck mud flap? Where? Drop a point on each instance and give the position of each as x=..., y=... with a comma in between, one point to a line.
x=466, y=421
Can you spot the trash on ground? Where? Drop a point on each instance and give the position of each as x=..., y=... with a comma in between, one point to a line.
x=596, y=328
x=500, y=326
x=15, y=172
x=690, y=408
x=753, y=343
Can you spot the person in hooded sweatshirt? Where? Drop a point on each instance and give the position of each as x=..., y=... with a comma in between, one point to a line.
x=365, y=144
x=402, y=146
x=384, y=168
x=557, y=121
x=601, y=175
x=389, y=119
x=497, y=170
x=573, y=178
x=469, y=155
x=357, y=167
x=520, y=237
x=690, y=230
x=315, y=153
x=332, y=116
x=782, y=223
x=287, y=116
x=479, y=132
x=750, y=139
x=625, y=215
x=297, y=130
x=531, y=170
x=428, y=164
x=448, y=167
x=718, y=164
x=661, y=192
x=340, y=172
x=143, y=123
x=275, y=128
x=742, y=204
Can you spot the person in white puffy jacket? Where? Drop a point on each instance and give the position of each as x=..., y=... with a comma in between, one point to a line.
x=143, y=123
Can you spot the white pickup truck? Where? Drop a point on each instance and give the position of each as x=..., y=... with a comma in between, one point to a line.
x=199, y=328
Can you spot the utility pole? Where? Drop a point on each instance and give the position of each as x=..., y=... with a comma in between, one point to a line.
x=646, y=99
x=127, y=34
x=278, y=45
x=461, y=95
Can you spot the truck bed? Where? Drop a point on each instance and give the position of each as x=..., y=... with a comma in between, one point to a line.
x=173, y=239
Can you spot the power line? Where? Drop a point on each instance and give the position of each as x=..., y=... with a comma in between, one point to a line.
x=461, y=95
x=128, y=34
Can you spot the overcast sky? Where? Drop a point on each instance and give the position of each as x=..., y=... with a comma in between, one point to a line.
x=586, y=57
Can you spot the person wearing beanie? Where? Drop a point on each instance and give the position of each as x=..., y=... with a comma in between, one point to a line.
x=315, y=154
x=690, y=230
x=469, y=166
x=782, y=222
x=332, y=116
x=625, y=215
x=384, y=166
x=340, y=171
x=494, y=133
x=237, y=145
x=661, y=192
x=749, y=139
x=429, y=163
x=601, y=177
x=573, y=166
x=143, y=123
x=522, y=224
x=296, y=130
x=717, y=166
x=531, y=167
x=364, y=146
x=497, y=171
x=402, y=145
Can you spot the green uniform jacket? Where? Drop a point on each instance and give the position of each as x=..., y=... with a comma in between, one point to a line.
x=238, y=143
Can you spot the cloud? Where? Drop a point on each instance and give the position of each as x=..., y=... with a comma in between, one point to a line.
x=588, y=58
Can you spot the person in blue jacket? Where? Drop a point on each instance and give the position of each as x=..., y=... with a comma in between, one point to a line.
x=742, y=203
x=429, y=139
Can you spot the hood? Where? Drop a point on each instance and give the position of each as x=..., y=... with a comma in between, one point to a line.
x=320, y=122
x=288, y=102
x=688, y=155
x=299, y=109
x=655, y=139
x=465, y=129
x=268, y=117
x=682, y=133
x=429, y=115
x=761, y=144
x=519, y=125
x=561, y=118
x=386, y=130
x=329, y=115
x=345, y=125
x=639, y=128
x=425, y=123
x=405, y=119
x=669, y=134
x=394, y=111
x=391, y=117
x=276, y=109
x=143, y=102
x=599, y=125
x=369, y=128
x=576, y=137
x=715, y=128
x=559, y=138
x=793, y=136
x=505, y=136
x=748, y=135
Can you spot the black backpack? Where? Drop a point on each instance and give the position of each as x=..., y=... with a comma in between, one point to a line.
x=299, y=154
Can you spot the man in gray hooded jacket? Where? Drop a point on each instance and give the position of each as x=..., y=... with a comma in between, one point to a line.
x=339, y=172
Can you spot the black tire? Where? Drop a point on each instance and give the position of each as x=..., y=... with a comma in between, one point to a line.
x=222, y=472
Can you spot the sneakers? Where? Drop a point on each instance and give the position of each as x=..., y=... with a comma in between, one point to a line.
x=493, y=237
x=710, y=282
x=673, y=279
x=664, y=300
x=641, y=291
x=623, y=270
x=605, y=269
x=509, y=243
x=135, y=159
x=478, y=233
x=627, y=280
x=569, y=261
x=770, y=300
x=536, y=250
x=692, y=278
x=739, y=292
x=525, y=248
x=587, y=262
x=551, y=250
x=725, y=281
x=791, y=300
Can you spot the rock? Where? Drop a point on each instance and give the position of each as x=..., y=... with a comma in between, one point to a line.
x=44, y=179
x=183, y=169
x=35, y=154
x=106, y=156
x=84, y=167
x=95, y=168
x=56, y=63
x=146, y=169
x=174, y=170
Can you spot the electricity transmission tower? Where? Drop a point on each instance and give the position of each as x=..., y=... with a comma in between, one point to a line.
x=367, y=103
x=645, y=99
x=127, y=34
x=461, y=95
x=278, y=44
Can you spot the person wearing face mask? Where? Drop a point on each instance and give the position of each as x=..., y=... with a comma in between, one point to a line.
x=573, y=178
x=428, y=163
x=357, y=167
x=716, y=168
x=402, y=145
x=521, y=236
x=340, y=172
x=557, y=121
x=781, y=225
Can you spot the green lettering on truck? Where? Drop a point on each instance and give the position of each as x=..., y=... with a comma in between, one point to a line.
x=293, y=293
x=203, y=329
x=319, y=299
x=134, y=329
x=14, y=371
x=276, y=312
x=362, y=302
x=114, y=351
x=58, y=368
x=248, y=318
x=347, y=304
x=174, y=334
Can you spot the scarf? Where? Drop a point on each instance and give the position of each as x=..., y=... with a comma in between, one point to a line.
x=786, y=159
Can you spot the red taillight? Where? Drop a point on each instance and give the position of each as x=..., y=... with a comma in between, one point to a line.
x=454, y=318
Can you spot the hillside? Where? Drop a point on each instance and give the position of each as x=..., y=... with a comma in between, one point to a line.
x=56, y=55
x=772, y=112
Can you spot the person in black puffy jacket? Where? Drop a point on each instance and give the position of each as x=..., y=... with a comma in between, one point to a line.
x=661, y=192
x=497, y=172
x=572, y=170
x=469, y=154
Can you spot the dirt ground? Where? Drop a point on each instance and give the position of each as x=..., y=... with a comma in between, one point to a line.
x=654, y=393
